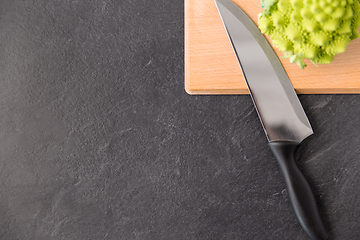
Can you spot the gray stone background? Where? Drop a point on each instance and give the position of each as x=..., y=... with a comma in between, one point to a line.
x=98, y=139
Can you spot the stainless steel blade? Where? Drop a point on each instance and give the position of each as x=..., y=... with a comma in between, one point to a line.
x=275, y=99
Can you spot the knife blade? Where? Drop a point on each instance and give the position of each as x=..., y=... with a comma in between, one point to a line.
x=279, y=109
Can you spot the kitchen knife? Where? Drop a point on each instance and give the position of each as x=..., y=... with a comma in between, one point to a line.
x=279, y=109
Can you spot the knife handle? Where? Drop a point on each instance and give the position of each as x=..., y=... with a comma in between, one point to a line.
x=300, y=194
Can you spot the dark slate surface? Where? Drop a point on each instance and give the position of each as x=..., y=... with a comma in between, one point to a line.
x=98, y=139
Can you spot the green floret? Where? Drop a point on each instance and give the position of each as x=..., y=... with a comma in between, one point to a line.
x=310, y=29
x=267, y=5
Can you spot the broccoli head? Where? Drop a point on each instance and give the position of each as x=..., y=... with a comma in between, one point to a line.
x=312, y=29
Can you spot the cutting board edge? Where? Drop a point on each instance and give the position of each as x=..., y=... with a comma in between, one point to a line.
x=195, y=91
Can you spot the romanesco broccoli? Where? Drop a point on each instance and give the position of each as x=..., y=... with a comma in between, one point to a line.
x=312, y=29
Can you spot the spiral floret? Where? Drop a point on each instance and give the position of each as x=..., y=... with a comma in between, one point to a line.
x=310, y=29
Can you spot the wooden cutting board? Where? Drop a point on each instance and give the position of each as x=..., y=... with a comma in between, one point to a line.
x=211, y=66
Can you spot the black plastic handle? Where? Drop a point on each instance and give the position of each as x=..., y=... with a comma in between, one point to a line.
x=300, y=194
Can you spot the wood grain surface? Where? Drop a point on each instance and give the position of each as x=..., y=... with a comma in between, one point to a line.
x=211, y=66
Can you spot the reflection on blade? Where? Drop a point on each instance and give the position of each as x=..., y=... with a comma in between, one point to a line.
x=277, y=104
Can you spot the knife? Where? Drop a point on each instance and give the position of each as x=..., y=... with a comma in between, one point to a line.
x=279, y=109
